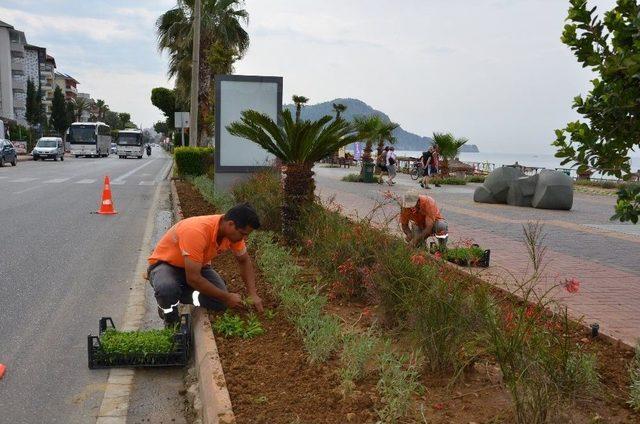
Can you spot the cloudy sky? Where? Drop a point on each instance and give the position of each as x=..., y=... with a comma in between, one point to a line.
x=491, y=70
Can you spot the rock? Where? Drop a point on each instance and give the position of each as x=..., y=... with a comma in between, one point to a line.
x=554, y=191
x=522, y=190
x=498, y=182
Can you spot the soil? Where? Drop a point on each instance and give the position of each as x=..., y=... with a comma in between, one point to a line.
x=270, y=379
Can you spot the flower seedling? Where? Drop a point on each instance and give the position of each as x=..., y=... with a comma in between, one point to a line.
x=230, y=325
x=147, y=342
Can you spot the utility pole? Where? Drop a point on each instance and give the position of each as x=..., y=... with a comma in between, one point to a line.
x=195, y=76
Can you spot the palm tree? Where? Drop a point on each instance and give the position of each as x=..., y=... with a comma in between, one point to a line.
x=221, y=29
x=448, y=147
x=338, y=108
x=299, y=101
x=367, y=127
x=385, y=133
x=80, y=104
x=101, y=109
x=298, y=144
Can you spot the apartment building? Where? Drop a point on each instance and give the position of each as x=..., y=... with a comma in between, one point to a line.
x=67, y=84
x=13, y=78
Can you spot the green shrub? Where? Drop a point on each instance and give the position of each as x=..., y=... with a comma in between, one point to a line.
x=357, y=351
x=398, y=382
x=610, y=184
x=634, y=377
x=222, y=202
x=475, y=178
x=177, y=139
x=449, y=180
x=263, y=191
x=194, y=161
x=352, y=178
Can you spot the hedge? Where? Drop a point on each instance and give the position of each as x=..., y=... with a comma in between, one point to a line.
x=194, y=160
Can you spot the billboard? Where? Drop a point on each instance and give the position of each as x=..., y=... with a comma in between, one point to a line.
x=235, y=94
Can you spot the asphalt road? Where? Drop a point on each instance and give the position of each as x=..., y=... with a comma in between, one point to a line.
x=62, y=267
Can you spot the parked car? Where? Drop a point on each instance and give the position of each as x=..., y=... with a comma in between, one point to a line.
x=7, y=153
x=49, y=148
x=114, y=148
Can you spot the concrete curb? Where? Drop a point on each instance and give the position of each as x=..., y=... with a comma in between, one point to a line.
x=212, y=387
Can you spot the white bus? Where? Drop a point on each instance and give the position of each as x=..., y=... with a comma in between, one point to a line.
x=130, y=143
x=89, y=139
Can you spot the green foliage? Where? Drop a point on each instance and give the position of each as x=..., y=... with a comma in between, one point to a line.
x=448, y=145
x=610, y=49
x=125, y=119
x=475, y=178
x=177, y=139
x=449, y=181
x=398, y=382
x=464, y=255
x=634, y=378
x=222, y=202
x=373, y=129
x=165, y=100
x=601, y=184
x=357, y=352
x=161, y=127
x=112, y=119
x=35, y=111
x=264, y=191
x=147, y=342
x=231, y=325
x=628, y=205
x=194, y=161
x=59, y=118
x=353, y=178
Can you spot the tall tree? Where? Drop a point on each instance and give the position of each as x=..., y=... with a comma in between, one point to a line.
x=610, y=48
x=368, y=128
x=161, y=127
x=59, y=112
x=80, y=105
x=448, y=147
x=101, y=109
x=221, y=27
x=33, y=108
x=384, y=134
x=125, y=119
x=112, y=119
x=165, y=100
x=298, y=144
x=299, y=101
x=338, y=108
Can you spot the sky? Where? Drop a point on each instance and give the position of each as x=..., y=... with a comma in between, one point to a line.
x=493, y=71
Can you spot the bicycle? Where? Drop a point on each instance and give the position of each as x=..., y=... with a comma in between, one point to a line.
x=416, y=170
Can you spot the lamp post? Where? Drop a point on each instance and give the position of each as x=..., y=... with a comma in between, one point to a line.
x=195, y=72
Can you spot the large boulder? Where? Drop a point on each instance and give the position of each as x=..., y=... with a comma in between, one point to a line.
x=521, y=191
x=483, y=195
x=553, y=191
x=497, y=184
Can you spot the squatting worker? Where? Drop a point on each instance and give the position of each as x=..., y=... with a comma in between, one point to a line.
x=180, y=266
x=420, y=219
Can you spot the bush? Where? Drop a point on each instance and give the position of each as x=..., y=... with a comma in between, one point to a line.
x=610, y=184
x=634, y=377
x=449, y=180
x=352, y=178
x=177, y=139
x=475, y=178
x=263, y=190
x=194, y=161
x=398, y=382
x=357, y=351
x=220, y=201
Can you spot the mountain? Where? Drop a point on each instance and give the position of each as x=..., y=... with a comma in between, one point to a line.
x=355, y=107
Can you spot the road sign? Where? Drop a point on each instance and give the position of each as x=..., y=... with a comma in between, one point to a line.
x=182, y=119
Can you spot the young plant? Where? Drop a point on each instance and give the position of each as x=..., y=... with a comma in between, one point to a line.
x=634, y=377
x=397, y=384
x=231, y=325
x=252, y=327
x=357, y=351
x=137, y=343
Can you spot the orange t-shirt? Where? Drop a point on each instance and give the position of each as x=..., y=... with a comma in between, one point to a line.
x=195, y=237
x=426, y=208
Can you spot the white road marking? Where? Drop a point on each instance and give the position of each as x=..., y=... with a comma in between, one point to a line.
x=146, y=183
x=23, y=180
x=86, y=181
x=57, y=180
x=164, y=171
x=133, y=171
x=118, y=182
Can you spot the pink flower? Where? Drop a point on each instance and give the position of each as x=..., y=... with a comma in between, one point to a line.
x=438, y=255
x=418, y=259
x=367, y=312
x=388, y=195
x=530, y=311
x=308, y=243
x=438, y=406
x=572, y=285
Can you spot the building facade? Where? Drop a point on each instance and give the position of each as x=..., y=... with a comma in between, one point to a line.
x=13, y=78
x=47, y=83
x=67, y=84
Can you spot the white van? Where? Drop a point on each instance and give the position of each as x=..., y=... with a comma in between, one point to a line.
x=49, y=148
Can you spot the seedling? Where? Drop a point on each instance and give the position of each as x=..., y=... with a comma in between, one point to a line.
x=230, y=325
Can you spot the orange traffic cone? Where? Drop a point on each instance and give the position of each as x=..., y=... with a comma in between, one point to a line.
x=2, y=370
x=106, y=208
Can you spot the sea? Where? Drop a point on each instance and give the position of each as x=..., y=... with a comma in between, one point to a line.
x=547, y=161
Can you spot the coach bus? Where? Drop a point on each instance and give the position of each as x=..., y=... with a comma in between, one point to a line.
x=89, y=139
x=130, y=143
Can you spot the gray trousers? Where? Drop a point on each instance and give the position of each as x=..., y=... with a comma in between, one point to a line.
x=170, y=287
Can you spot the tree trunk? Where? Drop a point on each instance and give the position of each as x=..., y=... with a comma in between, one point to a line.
x=204, y=93
x=298, y=192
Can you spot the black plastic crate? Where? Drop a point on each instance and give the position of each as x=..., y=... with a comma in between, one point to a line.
x=483, y=262
x=179, y=357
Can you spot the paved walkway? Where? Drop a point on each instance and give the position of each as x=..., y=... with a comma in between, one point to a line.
x=582, y=243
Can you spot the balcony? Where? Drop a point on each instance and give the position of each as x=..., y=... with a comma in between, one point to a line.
x=17, y=65
x=19, y=102
x=18, y=82
x=17, y=47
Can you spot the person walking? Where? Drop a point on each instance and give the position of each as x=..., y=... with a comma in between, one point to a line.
x=420, y=218
x=435, y=164
x=180, y=267
x=381, y=162
x=425, y=161
x=391, y=165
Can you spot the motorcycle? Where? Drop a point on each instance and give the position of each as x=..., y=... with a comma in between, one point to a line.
x=148, y=150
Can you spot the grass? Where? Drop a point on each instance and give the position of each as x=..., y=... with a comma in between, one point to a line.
x=464, y=255
x=398, y=382
x=137, y=343
x=634, y=378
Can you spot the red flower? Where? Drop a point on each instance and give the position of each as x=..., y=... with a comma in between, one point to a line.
x=530, y=312
x=572, y=285
x=366, y=312
x=418, y=259
x=438, y=255
x=308, y=243
x=388, y=195
x=439, y=406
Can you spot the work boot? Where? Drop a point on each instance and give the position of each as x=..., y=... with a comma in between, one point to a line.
x=170, y=319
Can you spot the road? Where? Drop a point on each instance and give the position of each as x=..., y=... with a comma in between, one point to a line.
x=62, y=267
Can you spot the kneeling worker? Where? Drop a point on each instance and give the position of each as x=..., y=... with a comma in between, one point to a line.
x=180, y=266
x=420, y=219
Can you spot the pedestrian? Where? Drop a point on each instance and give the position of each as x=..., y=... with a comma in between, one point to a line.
x=435, y=164
x=381, y=162
x=391, y=165
x=425, y=162
x=420, y=219
x=180, y=268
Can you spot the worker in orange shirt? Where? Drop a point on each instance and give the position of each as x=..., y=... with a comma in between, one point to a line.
x=180, y=266
x=420, y=219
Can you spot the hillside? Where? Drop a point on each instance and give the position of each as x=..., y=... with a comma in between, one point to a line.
x=355, y=107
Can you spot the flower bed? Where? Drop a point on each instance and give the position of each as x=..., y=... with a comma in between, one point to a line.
x=440, y=345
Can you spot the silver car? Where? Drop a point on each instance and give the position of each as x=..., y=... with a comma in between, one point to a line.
x=49, y=148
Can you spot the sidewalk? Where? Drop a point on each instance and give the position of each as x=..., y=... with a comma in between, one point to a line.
x=581, y=243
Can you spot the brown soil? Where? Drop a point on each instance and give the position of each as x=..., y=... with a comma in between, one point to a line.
x=270, y=379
